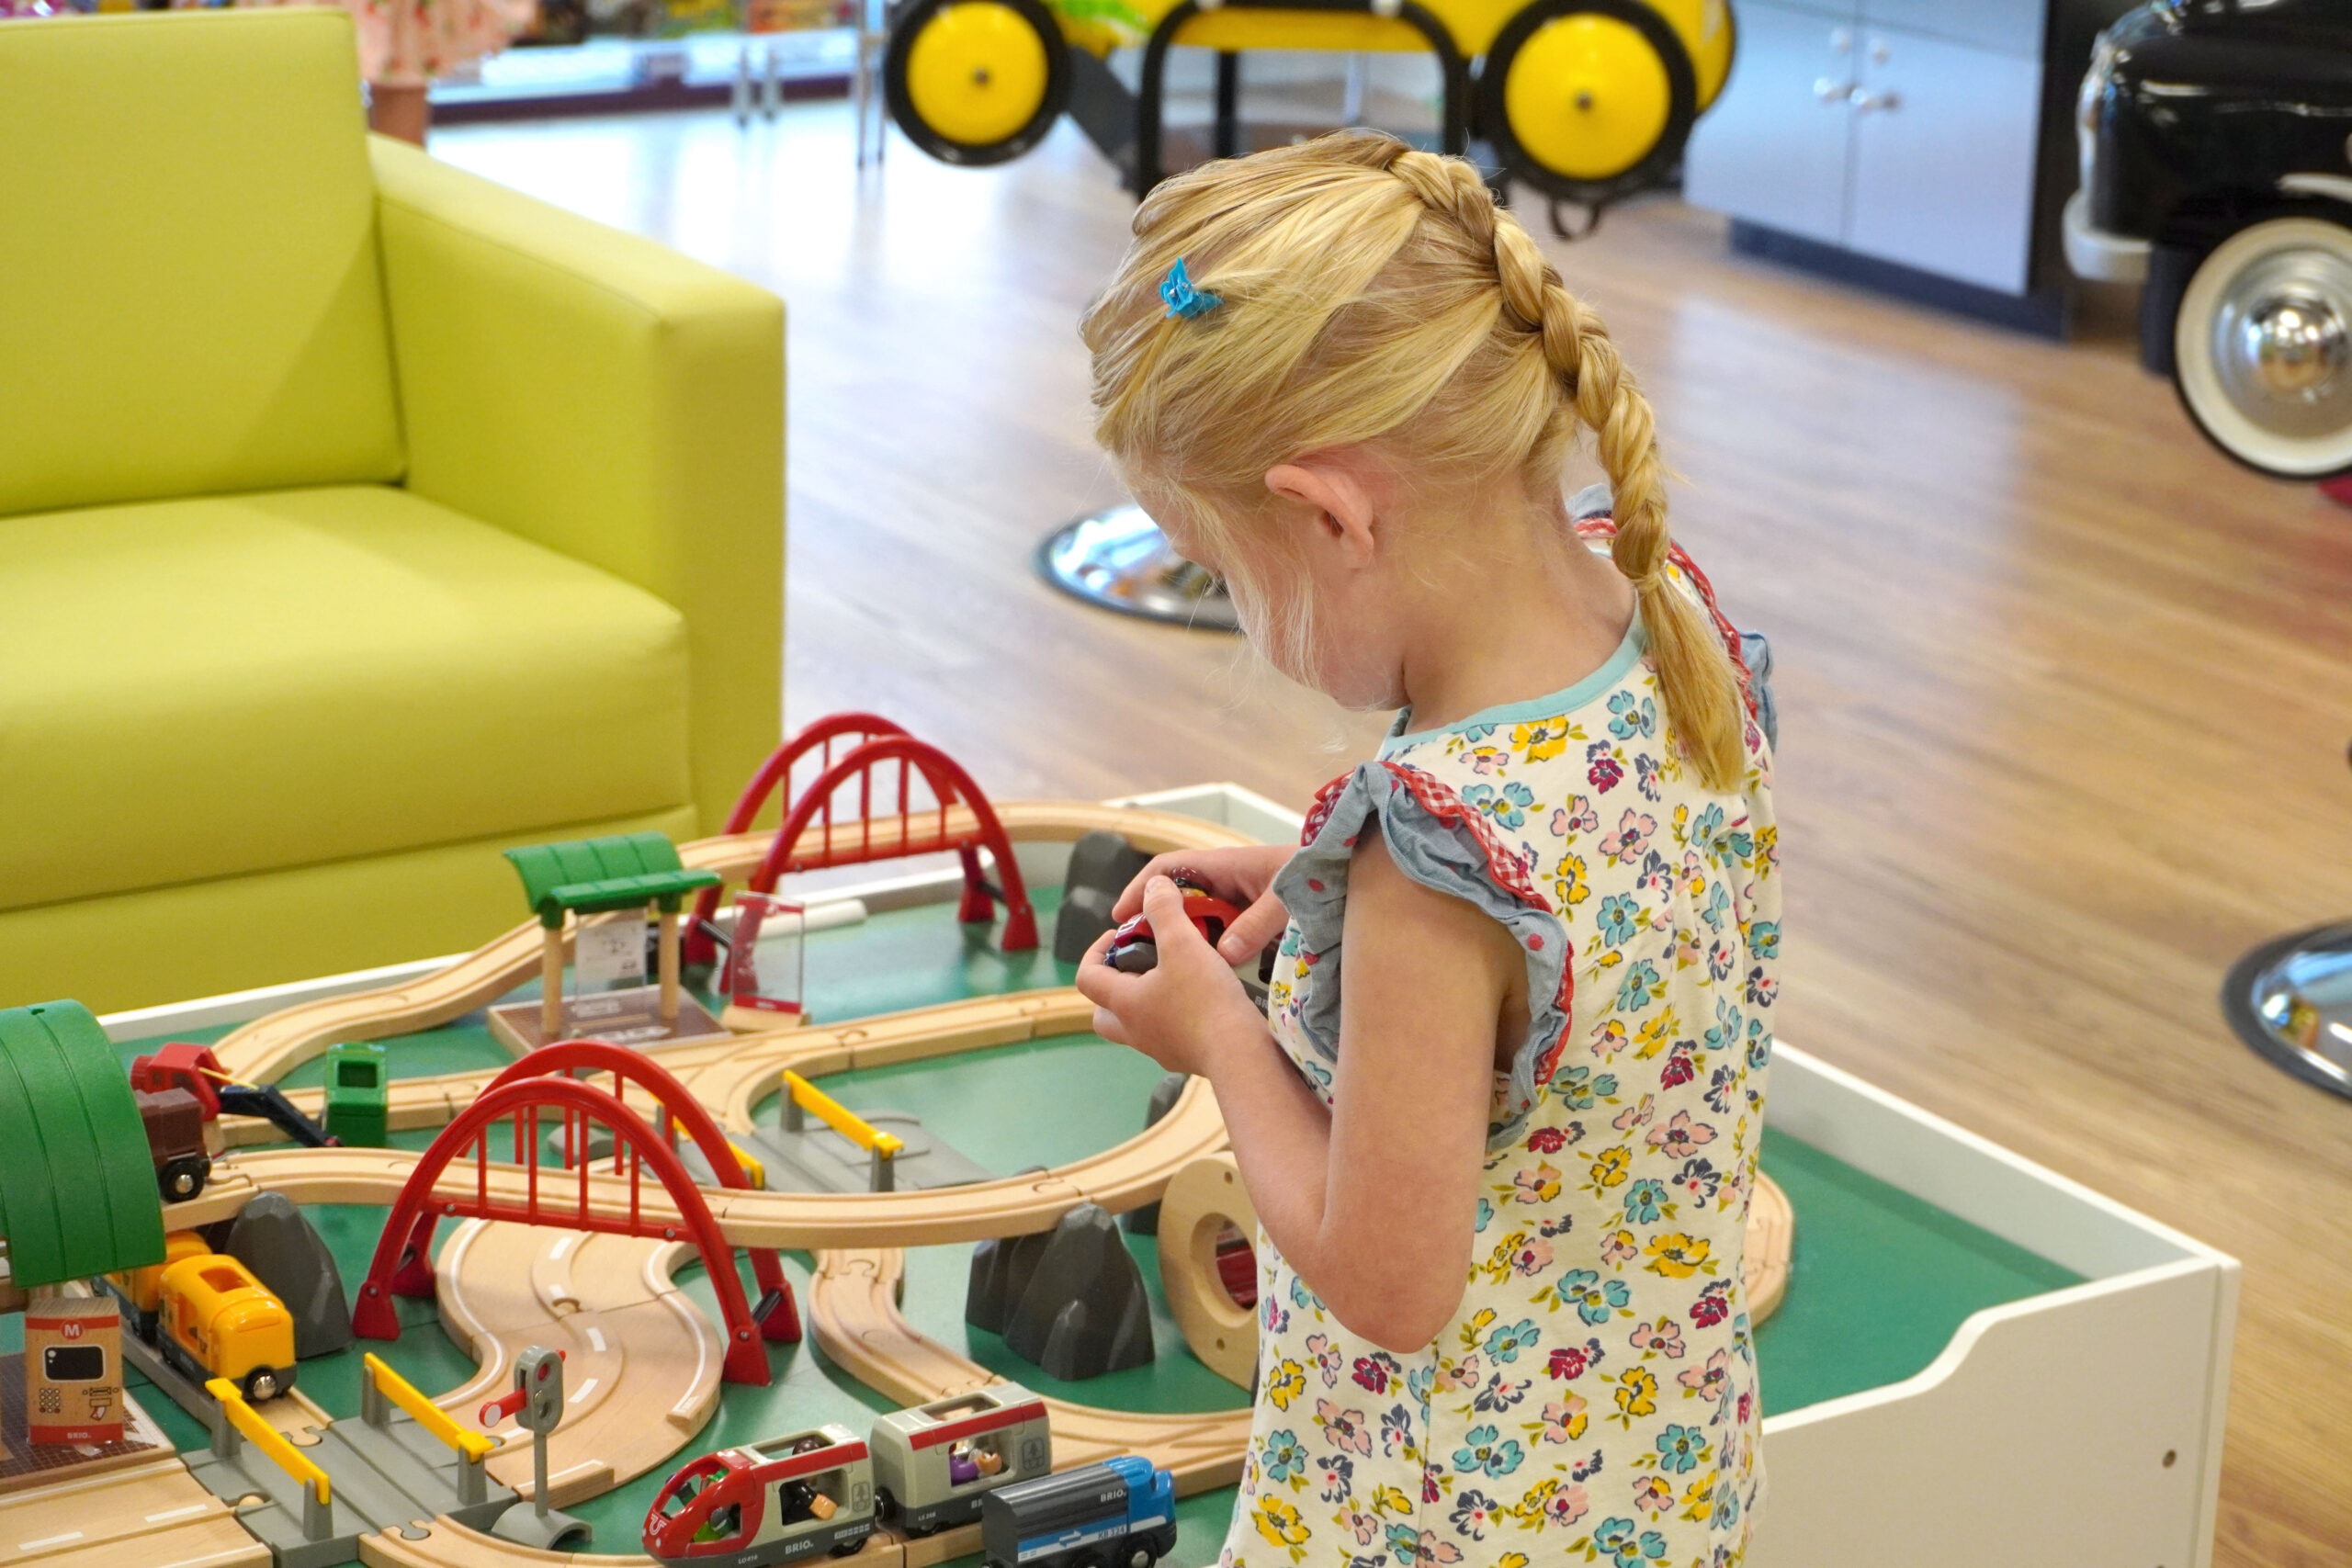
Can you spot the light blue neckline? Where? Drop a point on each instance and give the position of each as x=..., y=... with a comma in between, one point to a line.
x=1566, y=701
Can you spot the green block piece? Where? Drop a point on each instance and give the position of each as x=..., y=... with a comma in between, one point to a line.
x=358, y=1095
x=77, y=1176
x=588, y=877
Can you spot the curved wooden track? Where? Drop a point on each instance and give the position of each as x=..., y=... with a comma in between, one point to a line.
x=1768, y=1250
x=641, y=1361
x=852, y=1309
x=1120, y=1178
x=811, y=1050
x=265, y=1049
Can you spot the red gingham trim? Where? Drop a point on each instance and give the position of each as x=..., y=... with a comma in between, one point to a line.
x=1321, y=811
x=1438, y=798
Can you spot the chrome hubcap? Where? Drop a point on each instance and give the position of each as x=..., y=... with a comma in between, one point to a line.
x=2282, y=343
x=2296, y=342
x=1120, y=560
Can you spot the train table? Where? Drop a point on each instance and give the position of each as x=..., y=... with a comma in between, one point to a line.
x=1974, y=1361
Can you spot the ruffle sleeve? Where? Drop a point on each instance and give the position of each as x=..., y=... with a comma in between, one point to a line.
x=1444, y=844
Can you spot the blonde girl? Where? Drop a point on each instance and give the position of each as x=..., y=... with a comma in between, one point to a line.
x=1502, y=1154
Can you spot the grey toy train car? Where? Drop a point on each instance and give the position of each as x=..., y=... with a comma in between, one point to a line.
x=934, y=1463
x=1119, y=1514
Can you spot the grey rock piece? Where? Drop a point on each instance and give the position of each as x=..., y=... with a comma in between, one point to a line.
x=1101, y=866
x=1082, y=1310
x=1000, y=1271
x=271, y=1237
x=1145, y=1220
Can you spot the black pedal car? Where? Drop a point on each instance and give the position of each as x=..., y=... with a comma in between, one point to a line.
x=2217, y=169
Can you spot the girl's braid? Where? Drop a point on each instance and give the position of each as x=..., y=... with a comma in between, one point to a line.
x=1695, y=674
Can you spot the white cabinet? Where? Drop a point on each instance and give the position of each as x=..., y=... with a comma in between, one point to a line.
x=1911, y=143
x=1775, y=147
x=1943, y=148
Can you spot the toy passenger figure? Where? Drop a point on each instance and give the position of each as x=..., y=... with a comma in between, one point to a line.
x=1500, y=1116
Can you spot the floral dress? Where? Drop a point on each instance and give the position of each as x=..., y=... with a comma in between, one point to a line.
x=1595, y=1397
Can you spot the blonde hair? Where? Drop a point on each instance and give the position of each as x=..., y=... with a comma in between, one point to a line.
x=1374, y=293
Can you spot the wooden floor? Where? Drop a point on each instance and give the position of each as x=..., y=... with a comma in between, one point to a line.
x=2065, y=694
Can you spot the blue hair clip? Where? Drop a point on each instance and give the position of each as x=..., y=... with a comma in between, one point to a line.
x=1184, y=300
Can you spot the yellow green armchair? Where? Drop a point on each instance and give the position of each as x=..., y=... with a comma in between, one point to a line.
x=358, y=519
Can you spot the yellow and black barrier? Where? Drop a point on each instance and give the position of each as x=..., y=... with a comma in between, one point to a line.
x=241, y=1420
x=381, y=1389
x=801, y=1097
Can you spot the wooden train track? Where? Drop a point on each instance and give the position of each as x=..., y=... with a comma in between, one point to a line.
x=1121, y=1177
x=499, y=1282
x=267, y=1048
x=155, y=1515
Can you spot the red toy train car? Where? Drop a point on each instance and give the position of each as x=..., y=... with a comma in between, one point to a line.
x=1133, y=948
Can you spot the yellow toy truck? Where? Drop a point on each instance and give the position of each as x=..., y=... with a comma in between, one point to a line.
x=1585, y=100
x=140, y=1290
x=217, y=1321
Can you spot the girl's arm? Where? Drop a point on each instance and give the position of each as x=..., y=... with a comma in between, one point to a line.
x=1373, y=1200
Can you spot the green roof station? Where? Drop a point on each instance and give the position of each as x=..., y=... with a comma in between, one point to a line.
x=594, y=876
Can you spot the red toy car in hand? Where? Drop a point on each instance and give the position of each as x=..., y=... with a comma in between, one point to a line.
x=1132, y=950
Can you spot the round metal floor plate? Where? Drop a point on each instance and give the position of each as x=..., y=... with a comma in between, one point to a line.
x=2291, y=1001
x=1119, y=560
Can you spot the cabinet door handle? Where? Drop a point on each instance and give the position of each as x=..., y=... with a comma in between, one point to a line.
x=1828, y=92
x=1864, y=100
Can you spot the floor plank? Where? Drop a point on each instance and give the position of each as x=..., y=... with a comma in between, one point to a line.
x=2066, y=695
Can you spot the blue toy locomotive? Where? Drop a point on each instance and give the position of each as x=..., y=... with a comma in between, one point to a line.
x=1120, y=1513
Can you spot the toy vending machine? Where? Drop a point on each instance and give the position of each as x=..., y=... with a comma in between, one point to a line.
x=74, y=1369
x=608, y=967
x=767, y=959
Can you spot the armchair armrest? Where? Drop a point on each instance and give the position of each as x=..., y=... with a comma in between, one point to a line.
x=612, y=400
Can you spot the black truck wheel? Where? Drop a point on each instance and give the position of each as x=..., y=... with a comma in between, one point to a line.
x=181, y=1179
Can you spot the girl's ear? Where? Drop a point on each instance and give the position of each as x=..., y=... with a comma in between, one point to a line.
x=1334, y=492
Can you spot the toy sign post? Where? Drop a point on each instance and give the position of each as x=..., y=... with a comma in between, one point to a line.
x=535, y=1402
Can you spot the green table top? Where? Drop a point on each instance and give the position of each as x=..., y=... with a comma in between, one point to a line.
x=1879, y=1284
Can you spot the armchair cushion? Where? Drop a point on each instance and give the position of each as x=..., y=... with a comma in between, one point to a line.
x=190, y=296
x=232, y=684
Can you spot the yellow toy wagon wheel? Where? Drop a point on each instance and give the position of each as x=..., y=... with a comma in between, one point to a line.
x=1710, y=34
x=975, y=81
x=1714, y=49
x=1588, y=100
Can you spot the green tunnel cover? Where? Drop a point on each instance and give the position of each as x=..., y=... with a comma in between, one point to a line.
x=77, y=1178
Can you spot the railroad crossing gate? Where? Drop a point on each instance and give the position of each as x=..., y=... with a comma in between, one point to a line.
x=388, y=1471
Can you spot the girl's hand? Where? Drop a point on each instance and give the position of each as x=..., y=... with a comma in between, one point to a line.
x=1189, y=1007
x=1240, y=874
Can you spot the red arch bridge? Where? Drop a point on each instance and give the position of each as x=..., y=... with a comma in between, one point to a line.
x=530, y=1189
x=880, y=769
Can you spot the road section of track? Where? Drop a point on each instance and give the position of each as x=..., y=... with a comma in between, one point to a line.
x=641, y=1361
x=153, y=1515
